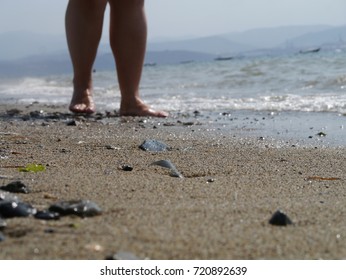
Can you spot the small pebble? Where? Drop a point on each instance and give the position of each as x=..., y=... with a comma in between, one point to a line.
x=81, y=208
x=153, y=146
x=16, y=187
x=72, y=123
x=47, y=215
x=127, y=167
x=321, y=134
x=280, y=219
x=11, y=209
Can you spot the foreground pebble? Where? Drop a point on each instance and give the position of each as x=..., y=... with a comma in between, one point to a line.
x=81, y=208
x=280, y=219
x=12, y=209
x=16, y=187
x=47, y=215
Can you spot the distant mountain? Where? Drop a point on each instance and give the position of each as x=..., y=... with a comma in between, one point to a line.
x=331, y=36
x=174, y=57
x=273, y=37
x=257, y=39
x=23, y=53
x=212, y=44
x=14, y=45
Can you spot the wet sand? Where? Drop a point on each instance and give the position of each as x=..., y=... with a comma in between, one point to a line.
x=238, y=170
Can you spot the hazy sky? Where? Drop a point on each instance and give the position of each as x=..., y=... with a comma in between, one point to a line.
x=179, y=18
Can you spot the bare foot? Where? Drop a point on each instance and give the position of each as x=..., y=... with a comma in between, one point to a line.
x=140, y=109
x=82, y=102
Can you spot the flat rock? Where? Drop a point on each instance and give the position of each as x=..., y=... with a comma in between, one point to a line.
x=153, y=146
x=126, y=167
x=81, y=208
x=16, y=187
x=11, y=209
x=47, y=215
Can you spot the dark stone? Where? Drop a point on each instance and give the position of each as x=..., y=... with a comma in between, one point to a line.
x=321, y=134
x=72, y=123
x=127, y=167
x=280, y=219
x=16, y=187
x=153, y=146
x=11, y=209
x=81, y=208
x=47, y=215
x=36, y=114
x=188, y=123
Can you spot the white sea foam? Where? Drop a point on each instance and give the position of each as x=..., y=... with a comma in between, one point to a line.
x=289, y=83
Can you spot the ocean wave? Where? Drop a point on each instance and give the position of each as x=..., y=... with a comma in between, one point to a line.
x=288, y=83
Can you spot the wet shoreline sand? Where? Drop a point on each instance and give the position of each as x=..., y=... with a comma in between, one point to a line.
x=234, y=180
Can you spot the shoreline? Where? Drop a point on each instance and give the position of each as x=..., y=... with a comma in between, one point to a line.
x=309, y=129
x=238, y=170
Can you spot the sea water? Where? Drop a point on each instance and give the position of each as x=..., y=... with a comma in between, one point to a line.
x=313, y=82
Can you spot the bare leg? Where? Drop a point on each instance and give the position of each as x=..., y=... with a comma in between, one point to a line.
x=84, y=20
x=128, y=34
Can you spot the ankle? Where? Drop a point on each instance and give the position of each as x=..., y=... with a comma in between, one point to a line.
x=131, y=101
x=82, y=84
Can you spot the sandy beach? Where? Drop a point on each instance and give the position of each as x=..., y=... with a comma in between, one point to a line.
x=236, y=175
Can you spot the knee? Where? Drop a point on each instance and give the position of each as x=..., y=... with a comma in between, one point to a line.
x=137, y=3
x=95, y=6
x=127, y=4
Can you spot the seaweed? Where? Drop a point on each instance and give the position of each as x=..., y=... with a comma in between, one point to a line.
x=32, y=167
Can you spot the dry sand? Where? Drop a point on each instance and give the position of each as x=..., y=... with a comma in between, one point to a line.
x=152, y=215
